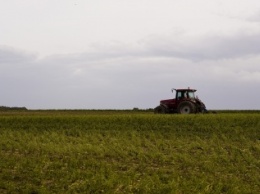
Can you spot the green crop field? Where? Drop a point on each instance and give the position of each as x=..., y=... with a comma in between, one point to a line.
x=129, y=152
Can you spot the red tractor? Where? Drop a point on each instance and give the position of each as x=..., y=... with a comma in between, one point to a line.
x=185, y=102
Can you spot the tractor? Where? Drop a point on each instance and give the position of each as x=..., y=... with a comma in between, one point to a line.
x=185, y=102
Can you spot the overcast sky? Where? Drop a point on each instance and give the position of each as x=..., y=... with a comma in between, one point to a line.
x=121, y=54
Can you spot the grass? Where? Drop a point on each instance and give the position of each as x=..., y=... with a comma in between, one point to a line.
x=126, y=152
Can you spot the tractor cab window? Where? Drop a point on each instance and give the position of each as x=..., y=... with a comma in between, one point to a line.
x=182, y=94
x=179, y=95
x=191, y=94
x=185, y=94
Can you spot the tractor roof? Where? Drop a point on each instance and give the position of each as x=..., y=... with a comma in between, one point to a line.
x=187, y=89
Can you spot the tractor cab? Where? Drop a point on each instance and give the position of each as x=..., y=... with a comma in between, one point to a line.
x=185, y=93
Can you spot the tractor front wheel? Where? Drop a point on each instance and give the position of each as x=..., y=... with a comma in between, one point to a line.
x=186, y=108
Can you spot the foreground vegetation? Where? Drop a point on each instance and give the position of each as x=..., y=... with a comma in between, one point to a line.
x=128, y=152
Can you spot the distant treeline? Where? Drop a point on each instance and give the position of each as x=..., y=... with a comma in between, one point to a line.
x=12, y=108
x=235, y=111
x=151, y=110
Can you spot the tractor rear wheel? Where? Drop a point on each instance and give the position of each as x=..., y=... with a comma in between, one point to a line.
x=160, y=110
x=186, y=108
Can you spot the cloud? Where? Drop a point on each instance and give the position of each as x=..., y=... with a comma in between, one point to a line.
x=210, y=47
x=125, y=76
x=180, y=45
x=254, y=17
x=9, y=55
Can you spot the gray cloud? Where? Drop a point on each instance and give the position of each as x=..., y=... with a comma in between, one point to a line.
x=255, y=17
x=206, y=48
x=134, y=76
x=218, y=47
x=9, y=55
